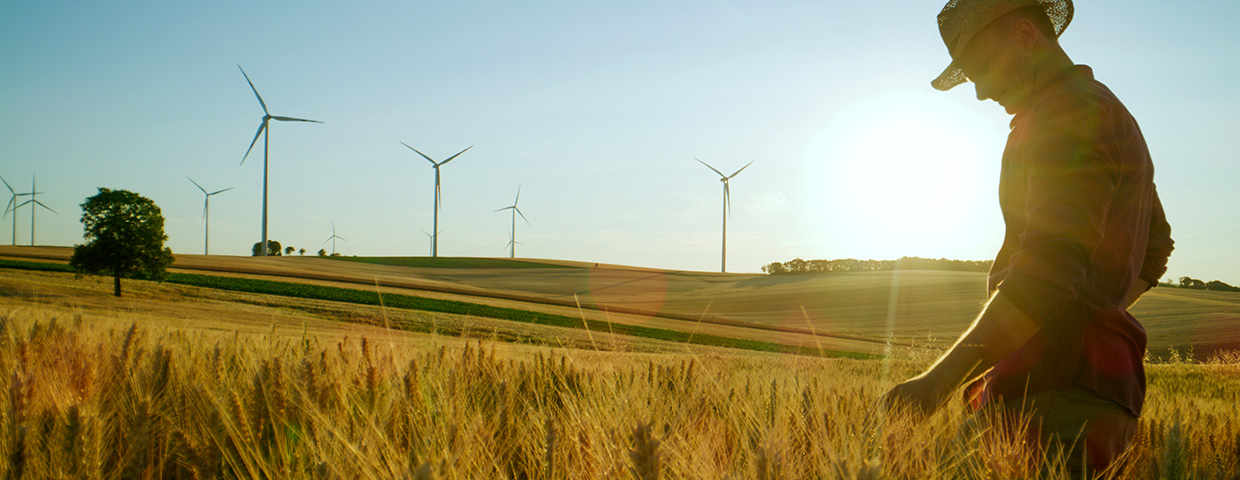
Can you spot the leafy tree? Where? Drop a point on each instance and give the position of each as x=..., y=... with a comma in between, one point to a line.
x=124, y=235
x=773, y=268
x=1190, y=282
x=322, y=252
x=301, y=251
x=1219, y=286
x=289, y=250
x=273, y=249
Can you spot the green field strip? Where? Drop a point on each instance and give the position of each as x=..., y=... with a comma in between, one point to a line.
x=409, y=302
x=450, y=262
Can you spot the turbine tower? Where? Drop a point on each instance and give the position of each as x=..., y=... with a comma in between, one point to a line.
x=431, y=241
x=262, y=127
x=34, y=203
x=206, y=217
x=512, y=240
x=436, y=165
x=12, y=206
x=333, y=238
x=727, y=209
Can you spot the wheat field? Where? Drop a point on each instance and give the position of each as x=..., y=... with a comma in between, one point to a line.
x=97, y=396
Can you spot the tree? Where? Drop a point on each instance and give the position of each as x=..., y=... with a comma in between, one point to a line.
x=273, y=249
x=322, y=252
x=1190, y=282
x=773, y=268
x=301, y=251
x=124, y=235
x=289, y=250
x=1219, y=286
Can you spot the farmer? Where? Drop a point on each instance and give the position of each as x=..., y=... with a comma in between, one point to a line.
x=1085, y=237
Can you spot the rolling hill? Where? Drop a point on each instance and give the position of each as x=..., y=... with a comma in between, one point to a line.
x=846, y=311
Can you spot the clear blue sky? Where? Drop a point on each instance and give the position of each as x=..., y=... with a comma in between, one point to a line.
x=597, y=110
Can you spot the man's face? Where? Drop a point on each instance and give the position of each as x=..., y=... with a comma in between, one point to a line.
x=997, y=66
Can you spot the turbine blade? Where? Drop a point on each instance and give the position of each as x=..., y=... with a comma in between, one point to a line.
x=457, y=155
x=438, y=197
x=220, y=191
x=342, y=238
x=420, y=153
x=294, y=119
x=742, y=168
x=257, y=134
x=36, y=202
x=260, y=97
x=196, y=184
x=518, y=199
x=710, y=167
x=12, y=201
x=502, y=209
x=204, y=208
x=27, y=202
x=518, y=210
x=727, y=199
x=6, y=183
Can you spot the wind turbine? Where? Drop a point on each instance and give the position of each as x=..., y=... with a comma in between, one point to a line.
x=727, y=208
x=33, y=202
x=512, y=241
x=435, y=226
x=267, y=117
x=431, y=239
x=333, y=238
x=206, y=217
x=12, y=206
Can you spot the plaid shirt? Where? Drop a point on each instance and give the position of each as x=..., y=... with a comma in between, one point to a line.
x=1083, y=222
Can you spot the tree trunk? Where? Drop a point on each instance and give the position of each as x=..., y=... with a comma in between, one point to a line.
x=116, y=285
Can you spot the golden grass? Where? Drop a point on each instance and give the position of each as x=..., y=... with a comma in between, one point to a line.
x=90, y=396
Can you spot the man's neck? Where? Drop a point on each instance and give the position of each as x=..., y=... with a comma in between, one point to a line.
x=1056, y=61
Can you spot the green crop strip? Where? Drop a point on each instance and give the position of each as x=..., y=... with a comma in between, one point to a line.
x=364, y=297
x=450, y=262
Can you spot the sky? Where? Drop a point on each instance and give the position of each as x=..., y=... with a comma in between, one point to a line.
x=596, y=111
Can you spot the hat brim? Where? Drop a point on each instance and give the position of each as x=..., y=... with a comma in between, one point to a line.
x=1058, y=11
x=950, y=77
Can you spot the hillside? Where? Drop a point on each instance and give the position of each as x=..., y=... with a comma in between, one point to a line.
x=849, y=311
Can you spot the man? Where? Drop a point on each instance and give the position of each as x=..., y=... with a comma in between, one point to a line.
x=1085, y=237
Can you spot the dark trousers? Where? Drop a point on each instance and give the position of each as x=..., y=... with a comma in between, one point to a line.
x=1071, y=426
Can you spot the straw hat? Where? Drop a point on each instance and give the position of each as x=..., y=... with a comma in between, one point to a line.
x=961, y=20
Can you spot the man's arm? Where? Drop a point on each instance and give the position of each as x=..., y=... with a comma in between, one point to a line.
x=997, y=332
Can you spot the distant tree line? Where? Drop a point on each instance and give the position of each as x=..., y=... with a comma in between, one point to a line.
x=1193, y=283
x=274, y=250
x=798, y=265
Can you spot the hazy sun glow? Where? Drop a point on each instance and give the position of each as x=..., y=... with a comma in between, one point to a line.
x=905, y=175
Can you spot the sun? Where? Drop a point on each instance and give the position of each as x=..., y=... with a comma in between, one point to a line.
x=906, y=175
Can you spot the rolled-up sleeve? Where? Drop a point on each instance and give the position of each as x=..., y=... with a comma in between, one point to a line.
x=1069, y=184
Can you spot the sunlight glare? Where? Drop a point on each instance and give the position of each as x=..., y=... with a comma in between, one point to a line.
x=905, y=175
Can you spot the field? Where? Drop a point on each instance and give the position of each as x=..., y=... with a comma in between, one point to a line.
x=857, y=312
x=182, y=381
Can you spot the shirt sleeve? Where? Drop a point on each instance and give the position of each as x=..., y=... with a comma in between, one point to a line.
x=1158, y=247
x=1069, y=186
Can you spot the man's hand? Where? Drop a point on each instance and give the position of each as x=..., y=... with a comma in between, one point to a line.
x=923, y=394
x=999, y=331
